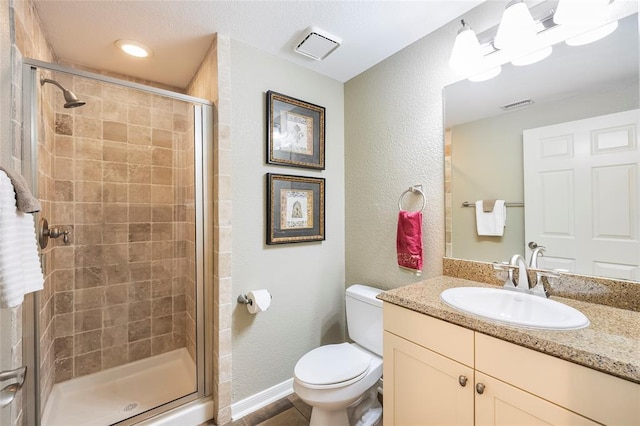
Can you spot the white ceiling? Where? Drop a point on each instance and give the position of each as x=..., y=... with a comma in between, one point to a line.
x=180, y=32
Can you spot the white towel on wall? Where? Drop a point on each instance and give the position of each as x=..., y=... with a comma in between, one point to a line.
x=20, y=271
x=491, y=223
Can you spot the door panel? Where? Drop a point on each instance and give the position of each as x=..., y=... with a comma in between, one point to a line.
x=504, y=405
x=582, y=192
x=423, y=388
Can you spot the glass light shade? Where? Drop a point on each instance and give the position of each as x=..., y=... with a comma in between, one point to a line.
x=533, y=57
x=579, y=12
x=593, y=35
x=134, y=48
x=486, y=75
x=517, y=27
x=466, y=54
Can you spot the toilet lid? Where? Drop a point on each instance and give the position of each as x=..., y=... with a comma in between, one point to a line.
x=331, y=364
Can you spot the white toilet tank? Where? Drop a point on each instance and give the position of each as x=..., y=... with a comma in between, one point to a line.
x=364, y=317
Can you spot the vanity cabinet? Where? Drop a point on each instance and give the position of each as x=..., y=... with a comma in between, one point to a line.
x=439, y=373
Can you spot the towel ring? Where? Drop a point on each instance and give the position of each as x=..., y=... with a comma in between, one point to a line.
x=415, y=188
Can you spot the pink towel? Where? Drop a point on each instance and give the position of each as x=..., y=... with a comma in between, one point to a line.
x=409, y=240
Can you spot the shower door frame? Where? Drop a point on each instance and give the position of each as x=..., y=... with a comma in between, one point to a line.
x=203, y=166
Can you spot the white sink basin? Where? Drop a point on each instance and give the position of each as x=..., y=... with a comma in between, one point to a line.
x=515, y=308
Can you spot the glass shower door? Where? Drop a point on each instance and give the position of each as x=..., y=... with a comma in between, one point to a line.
x=119, y=321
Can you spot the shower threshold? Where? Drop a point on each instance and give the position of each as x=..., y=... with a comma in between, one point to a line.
x=118, y=393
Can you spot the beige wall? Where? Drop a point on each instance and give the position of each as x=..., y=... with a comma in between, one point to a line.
x=479, y=173
x=394, y=139
x=306, y=280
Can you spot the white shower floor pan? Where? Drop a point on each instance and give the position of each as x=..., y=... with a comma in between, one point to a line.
x=118, y=393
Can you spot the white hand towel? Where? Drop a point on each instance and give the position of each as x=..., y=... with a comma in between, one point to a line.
x=20, y=270
x=491, y=223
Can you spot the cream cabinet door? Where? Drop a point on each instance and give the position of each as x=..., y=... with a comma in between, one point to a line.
x=422, y=387
x=502, y=404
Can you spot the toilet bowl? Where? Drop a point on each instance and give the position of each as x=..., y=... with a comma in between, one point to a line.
x=332, y=378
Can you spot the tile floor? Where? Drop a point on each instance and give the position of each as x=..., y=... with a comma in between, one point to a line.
x=289, y=411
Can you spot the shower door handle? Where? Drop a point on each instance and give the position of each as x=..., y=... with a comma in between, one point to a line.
x=8, y=393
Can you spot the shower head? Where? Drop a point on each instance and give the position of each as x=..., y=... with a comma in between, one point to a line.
x=71, y=100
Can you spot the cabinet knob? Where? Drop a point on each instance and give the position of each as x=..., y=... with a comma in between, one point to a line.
x=480, y=388
x=462, y=380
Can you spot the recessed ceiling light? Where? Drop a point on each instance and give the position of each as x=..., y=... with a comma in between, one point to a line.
x=134, y=48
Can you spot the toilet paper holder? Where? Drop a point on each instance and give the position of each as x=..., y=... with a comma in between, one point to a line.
x=245, y=300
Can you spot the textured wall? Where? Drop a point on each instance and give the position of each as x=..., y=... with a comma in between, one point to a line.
x=306, y=280
x=394, y=139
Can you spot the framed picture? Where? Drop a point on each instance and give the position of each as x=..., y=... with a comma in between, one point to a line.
x=295, y=135
x=295, y=209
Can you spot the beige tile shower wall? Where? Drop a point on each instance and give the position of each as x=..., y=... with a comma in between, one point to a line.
x=120, y=286
x=212, y=81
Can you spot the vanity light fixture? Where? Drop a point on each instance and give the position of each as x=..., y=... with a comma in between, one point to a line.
x=585, y=14
x=533, y=57
x=134, y=48
x=579, y=12
x=593, y=35
x=486, y=75
x=526, y=36
x=517, y=27
x=466, y=54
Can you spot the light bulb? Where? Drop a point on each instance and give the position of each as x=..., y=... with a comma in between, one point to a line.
x=134, y=48
x=517, y=27
x=593, y=35
x=486, y=75
x=533, y=57
x=466, y=54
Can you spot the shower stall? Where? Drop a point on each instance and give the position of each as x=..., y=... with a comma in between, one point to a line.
x=119, y=169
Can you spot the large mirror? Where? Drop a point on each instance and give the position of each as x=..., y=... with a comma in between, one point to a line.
x=486, y=159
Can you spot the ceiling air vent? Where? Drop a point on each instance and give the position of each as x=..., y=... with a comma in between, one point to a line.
x=317, y=44
x=517, y=104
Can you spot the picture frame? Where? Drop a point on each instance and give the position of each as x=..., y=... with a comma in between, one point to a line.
x=295, y=209
x=295, y=132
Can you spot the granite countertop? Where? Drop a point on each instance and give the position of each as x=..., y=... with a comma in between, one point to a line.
x=611, y=343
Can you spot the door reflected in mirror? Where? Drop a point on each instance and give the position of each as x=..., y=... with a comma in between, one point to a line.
x=575, y=203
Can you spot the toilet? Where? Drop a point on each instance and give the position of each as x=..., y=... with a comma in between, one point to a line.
x=340, y=381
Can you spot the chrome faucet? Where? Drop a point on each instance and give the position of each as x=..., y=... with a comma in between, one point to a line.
x=524, y=284
x=523, y=273
x=538, y=251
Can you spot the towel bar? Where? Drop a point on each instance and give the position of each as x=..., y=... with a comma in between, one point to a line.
x=468, y=204
x=414, y=188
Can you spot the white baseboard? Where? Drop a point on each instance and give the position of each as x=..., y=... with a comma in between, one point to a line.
x=261, y=399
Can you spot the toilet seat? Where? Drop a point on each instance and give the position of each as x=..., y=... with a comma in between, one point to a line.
x=332, y=366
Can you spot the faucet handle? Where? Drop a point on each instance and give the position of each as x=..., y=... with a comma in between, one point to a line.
x=502, y=266
x=549, y=273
